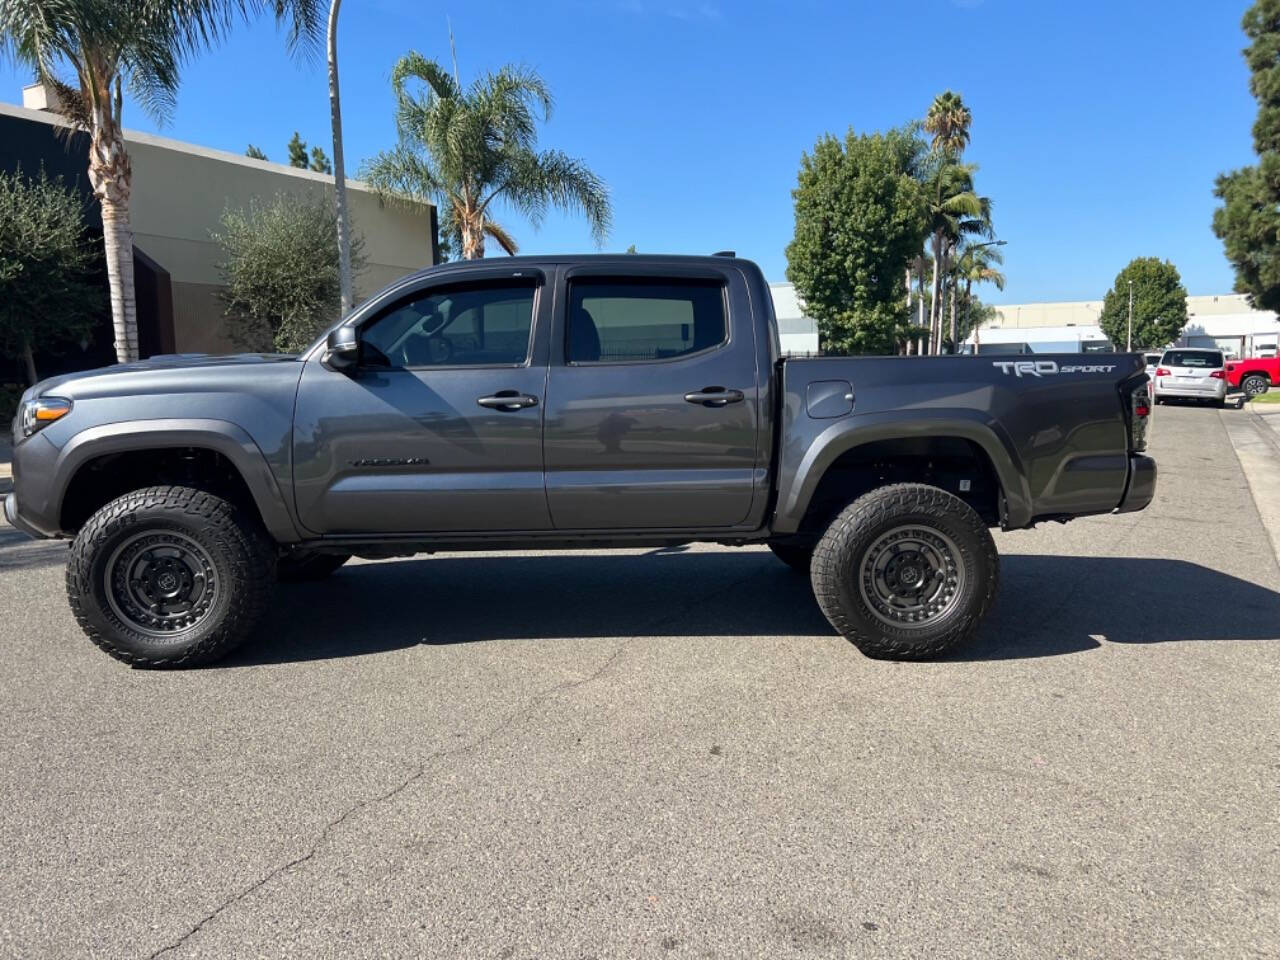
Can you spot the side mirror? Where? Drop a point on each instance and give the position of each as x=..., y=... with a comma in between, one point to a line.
x=342, y=348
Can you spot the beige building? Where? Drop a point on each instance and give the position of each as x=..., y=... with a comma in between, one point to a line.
x=179, y=194
x=1079, y=313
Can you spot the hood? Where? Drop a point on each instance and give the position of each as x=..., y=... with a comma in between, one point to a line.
x=165, y=361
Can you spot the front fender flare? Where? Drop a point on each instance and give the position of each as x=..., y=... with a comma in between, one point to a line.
x=221, y=436
x=801, y=470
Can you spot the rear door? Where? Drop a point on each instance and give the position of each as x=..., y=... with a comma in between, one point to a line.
x=652, y=402
x=440, y=427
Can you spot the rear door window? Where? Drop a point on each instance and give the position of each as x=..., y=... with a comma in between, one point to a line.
x=638, y=319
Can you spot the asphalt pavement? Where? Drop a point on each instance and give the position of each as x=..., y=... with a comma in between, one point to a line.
x=670, y=754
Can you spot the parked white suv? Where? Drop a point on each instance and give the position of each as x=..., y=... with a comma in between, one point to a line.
x=1192, y=375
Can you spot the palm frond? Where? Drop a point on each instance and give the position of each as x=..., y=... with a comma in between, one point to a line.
x=499, y=233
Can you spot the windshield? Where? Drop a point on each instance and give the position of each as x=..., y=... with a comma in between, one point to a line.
x=1207, y=359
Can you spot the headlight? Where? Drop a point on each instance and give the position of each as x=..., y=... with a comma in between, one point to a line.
x=39, y=413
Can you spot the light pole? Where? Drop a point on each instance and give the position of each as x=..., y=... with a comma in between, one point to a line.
x=339, y=167
x=1128, y=344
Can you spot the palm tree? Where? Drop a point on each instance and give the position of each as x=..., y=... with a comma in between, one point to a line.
x=977, y=264
x=948, y=120
x=104, y=44
x=346, y=289
x=467, y=148
x=955, y=212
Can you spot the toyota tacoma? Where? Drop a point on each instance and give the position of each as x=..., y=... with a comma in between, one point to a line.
x=564, y=403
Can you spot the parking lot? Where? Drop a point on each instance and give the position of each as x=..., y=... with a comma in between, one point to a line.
x=669, y=753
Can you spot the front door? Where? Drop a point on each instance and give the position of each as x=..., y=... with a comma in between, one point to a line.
x=440, y=427
x=652, y=408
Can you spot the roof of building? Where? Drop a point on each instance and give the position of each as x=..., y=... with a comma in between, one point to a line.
x=195, y=150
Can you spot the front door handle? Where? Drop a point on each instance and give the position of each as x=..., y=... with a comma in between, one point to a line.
x=714, y=397
x=508, y=400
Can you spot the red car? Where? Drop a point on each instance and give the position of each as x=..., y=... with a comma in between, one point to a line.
x=1253, y=377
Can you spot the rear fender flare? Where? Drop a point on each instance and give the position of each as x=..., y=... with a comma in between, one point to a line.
x=803, y=473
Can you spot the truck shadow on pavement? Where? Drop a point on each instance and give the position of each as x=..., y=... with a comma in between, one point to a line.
x=1048, y=605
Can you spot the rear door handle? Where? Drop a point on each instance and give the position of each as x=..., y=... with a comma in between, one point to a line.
x=508, y=400
x=714, y=397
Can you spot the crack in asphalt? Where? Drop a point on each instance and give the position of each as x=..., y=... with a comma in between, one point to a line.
x=521, y=713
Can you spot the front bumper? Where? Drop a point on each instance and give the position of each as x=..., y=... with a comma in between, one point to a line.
x=15, y=519
x=1142, y=484
x=1209, y=389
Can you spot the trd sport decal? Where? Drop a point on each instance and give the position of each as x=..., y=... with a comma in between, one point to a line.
x=1046, y=368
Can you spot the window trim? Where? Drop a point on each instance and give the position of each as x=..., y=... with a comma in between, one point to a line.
x=535, y=280
x=700, y=277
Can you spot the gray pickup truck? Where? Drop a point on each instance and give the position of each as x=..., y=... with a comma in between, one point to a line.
x=564, y=403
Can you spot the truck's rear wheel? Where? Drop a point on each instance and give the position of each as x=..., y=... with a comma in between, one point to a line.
x=1255, y=385
x=906, y=572
x=794, y=556
x=169, y=576
x=304, y=566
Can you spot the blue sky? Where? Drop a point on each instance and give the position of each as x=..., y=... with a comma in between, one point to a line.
x=1098, y=126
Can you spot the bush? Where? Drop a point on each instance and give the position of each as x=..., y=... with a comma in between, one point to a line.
x=49, y=293
x=281, y=271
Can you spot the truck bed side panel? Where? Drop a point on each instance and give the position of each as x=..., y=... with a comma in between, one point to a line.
x=1052, y=425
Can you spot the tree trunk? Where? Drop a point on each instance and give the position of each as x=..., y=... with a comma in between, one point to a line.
x=111, y=175
x=906, y=349
x=29, y=359
x=968, y=308
x=339, y=167
x=935, y=310
x=954, y=292
x=920, y=313
x=473, y=237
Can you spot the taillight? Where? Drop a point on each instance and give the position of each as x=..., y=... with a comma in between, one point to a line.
x=1217, y=374
x=1139, y=419
x=1162, y=372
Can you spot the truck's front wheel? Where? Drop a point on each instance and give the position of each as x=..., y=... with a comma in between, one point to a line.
x=169, y=576
x=906, y=572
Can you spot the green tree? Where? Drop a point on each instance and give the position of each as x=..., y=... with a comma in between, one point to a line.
x=860, y=222
x=106, y=44
x=1159, y=305
x=297, y=148
x=255, y=153
x=319, y=162
x=1248, y=222
x=49, y=292
x=468, y=149
x=280, y=270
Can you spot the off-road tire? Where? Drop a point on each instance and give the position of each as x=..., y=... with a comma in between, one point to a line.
x=240, y=553
x=838, y=566
x=794, y=556
x=1254, y=385
x=306, y=567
